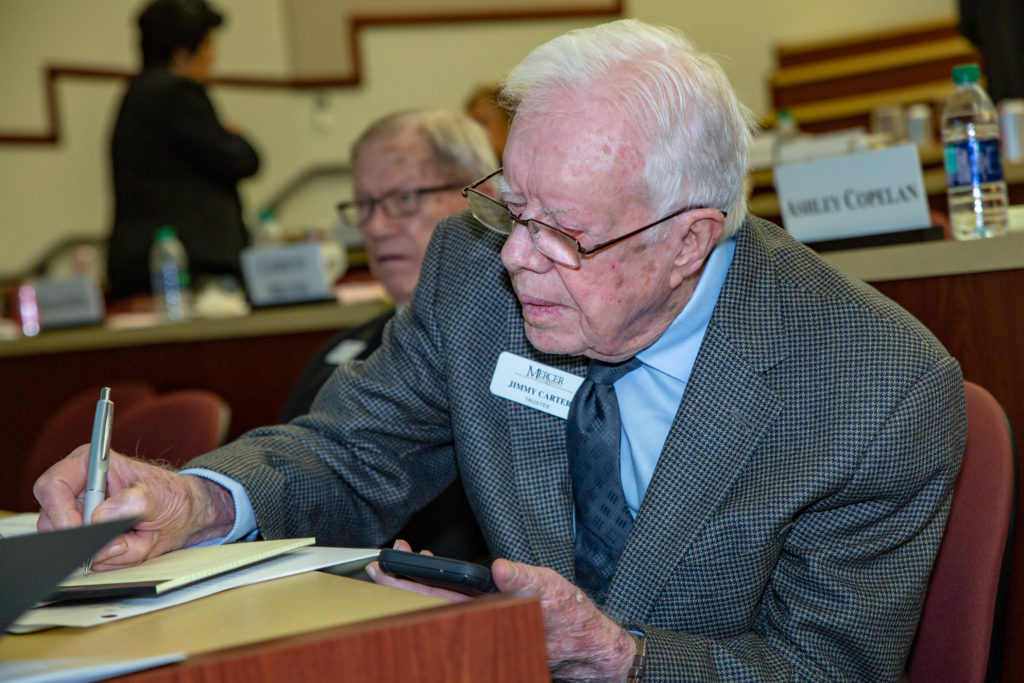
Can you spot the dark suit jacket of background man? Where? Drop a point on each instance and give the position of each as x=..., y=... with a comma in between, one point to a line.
x=174, y=164
x=789, y=528
x=446, y=525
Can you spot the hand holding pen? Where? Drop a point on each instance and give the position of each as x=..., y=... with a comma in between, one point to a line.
x=99, y=459
x=173, y=510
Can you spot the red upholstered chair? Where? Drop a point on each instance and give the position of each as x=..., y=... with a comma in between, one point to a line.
x=960, y=634
x=174, y=427
x=70, y=426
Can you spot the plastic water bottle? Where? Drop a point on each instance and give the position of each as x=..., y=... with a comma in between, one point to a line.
x=268, y=229
x=786, y=131
x=974, y=170
x=168, y=271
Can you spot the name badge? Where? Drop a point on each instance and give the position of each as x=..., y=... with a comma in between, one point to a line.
x=534, y=384
x=345, y=351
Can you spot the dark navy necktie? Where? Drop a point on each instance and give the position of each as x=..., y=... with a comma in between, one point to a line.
x=593, y=433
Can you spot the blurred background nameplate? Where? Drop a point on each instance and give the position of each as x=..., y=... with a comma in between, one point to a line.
x=66, y=302
x=287, y=274
x=854, y=195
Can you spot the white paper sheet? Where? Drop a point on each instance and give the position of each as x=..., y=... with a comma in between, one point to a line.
x=18, y=525
x=93, y=613
x=78, y=669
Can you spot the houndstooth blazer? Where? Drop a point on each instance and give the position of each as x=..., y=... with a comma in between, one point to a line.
x=791, y=523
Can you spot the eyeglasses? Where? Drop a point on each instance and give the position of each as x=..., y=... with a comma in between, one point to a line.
x=553, y=243
x=396, y=205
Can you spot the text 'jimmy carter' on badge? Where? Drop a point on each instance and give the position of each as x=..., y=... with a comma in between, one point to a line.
x=534, y=384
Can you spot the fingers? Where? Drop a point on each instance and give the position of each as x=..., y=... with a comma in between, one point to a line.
x=128, y=550
x=402, y=544
x=514, y=577
x=549, y=585
x=43, y=523
x=132, y=501
x=163, y=501
x=561, y=601
x=113, y=555
x=383, y=579
x=58, y=489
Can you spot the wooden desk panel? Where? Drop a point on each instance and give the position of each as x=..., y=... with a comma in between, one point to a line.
x=313, y=627
x=980, y=319
x=494, y=639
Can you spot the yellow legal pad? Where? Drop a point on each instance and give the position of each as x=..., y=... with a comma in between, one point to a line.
x=173, y=570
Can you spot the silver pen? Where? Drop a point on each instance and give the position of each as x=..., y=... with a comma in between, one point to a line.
x=99, y=458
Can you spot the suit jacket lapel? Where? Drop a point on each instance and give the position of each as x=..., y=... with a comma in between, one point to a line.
x=543, y=486
x=725, y=409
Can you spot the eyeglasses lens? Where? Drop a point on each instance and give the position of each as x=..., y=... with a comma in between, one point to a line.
x=351, y=214
x=490, y=212
x=556, y=245
x=400, y=205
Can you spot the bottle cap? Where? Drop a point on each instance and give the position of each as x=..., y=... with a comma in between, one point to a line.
x=966, y=73
x=165, y=232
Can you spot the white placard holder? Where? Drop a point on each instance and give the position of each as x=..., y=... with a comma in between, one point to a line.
x=288, y=274
x=68, y=302
x=853, y=196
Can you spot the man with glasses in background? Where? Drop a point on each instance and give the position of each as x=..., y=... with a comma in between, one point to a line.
x=407, y=169
x=753, y=479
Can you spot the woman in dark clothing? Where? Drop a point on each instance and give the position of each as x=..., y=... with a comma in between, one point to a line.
x=174, y=163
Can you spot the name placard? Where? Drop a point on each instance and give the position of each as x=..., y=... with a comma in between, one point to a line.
x=855, y=195
x=288, y=274
x=67, y=302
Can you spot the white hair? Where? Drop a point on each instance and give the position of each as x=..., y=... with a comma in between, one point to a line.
x=460, y=147
x=679, y=100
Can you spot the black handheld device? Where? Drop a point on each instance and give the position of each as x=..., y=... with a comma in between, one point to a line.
x=442, y=572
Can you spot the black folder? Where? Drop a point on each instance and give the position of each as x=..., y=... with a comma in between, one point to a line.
x=32, y=565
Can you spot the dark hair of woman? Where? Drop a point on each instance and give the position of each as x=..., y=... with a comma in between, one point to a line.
x=169, y=25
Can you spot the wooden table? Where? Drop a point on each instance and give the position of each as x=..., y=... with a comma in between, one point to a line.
x=317, y=626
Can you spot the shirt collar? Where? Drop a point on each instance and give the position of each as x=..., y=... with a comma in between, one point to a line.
x=687, y=330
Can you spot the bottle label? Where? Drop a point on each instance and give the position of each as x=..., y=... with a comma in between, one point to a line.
x=973, y=162
x=170, y=278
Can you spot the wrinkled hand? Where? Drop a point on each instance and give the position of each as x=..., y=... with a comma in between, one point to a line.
x=582, y=643
x=173, y=510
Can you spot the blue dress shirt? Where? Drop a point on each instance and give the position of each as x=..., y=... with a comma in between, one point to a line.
x=650, y=395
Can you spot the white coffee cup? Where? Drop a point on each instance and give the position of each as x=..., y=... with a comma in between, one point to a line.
x=919, y=125
x=1011, y=123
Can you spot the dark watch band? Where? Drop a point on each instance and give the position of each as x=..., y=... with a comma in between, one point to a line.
x=636, y=670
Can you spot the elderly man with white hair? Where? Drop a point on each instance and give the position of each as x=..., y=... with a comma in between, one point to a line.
x=753, y=479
